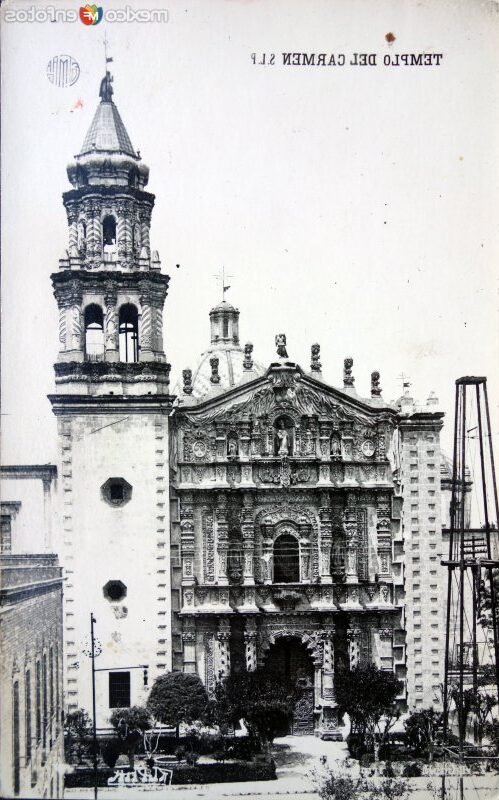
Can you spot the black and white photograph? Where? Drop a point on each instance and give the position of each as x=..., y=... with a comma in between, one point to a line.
x=250, y=399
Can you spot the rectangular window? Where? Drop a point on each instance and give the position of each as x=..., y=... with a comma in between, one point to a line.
x=27, y=712
x=119, y=690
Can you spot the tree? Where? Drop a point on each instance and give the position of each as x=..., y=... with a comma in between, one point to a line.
x=264, y=701
x=130, y=724
x=77, y=728
x=482, y=706
x=367, y=694
x=177, y=697
x=421, y=728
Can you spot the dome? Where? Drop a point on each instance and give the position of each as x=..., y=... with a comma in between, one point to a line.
x=224, y=306
x=231, y=371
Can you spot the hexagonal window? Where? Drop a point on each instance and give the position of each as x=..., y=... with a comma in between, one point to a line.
x=116, y=491
x=114, y=591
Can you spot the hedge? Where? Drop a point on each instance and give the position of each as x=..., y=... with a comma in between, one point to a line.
x=228, y=772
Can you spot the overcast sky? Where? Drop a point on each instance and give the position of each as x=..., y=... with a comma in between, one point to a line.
x=354, y=206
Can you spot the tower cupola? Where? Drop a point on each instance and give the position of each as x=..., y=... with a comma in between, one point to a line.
x=224, y=322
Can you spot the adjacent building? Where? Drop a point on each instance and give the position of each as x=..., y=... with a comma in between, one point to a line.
x=31, y=698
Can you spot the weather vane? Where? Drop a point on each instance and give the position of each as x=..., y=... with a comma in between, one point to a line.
x=405, y=381
x=222, y=277
x=108, y=59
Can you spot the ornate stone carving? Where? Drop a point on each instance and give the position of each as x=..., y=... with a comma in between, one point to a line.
x=208, y=545
x=215, y=377
x=375, y=387
x=315, y=364
x=248, y=361
x=280, y=343
x=348, y=379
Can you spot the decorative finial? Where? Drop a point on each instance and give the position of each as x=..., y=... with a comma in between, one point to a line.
x=348, y=379
x=187, y=378
x=375, y=387
x=280, y=343
x=248, y=361
x=215, y=377
x=315, y=364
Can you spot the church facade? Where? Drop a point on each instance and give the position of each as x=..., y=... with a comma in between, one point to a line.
x=289, y=532
x=255, y=517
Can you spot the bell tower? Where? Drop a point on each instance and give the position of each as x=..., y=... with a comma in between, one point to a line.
x=112, y=404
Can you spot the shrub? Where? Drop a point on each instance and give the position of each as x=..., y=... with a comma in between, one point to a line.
x=366, y=759
x=412, y=770
x=388, y=771
x=111, y=751
x=180, y=753
x=192, y=757
x=230, y=772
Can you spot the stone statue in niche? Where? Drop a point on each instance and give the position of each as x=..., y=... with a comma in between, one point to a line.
x=335, y=445
x=232, y=448
x=283, y=439
x=280, y=343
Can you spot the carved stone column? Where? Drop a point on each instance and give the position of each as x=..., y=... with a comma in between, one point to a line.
x=111, y=326
x=220, y=431
x=354, y=637
x=189, y=643
x=326, y=540
x=63, y=328
x=250, y=639
x=221, y=515
x=248, y=534
x=187, y=543
x=352, y=542
x=267, y=554
x=329, y=717
x=74, y=333
x=121, y=231
x=383, y=527
x=129, y=232
x=145, y=221
x=324, y=440
x=244, y=437
x=73, y=227
x=305, y=553
x=223, y=639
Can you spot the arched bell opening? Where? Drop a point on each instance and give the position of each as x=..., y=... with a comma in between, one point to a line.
x=94, y=332
x=129, y=333
x=109, y=234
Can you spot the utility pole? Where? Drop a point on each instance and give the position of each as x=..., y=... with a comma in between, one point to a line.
x=92, y=657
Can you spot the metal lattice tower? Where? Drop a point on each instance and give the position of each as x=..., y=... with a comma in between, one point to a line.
x=473, y=554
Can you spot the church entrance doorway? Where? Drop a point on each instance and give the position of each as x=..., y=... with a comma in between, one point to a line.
x=289, y=659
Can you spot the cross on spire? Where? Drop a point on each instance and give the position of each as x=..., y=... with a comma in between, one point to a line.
x=222, y=276
x=107, y=59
